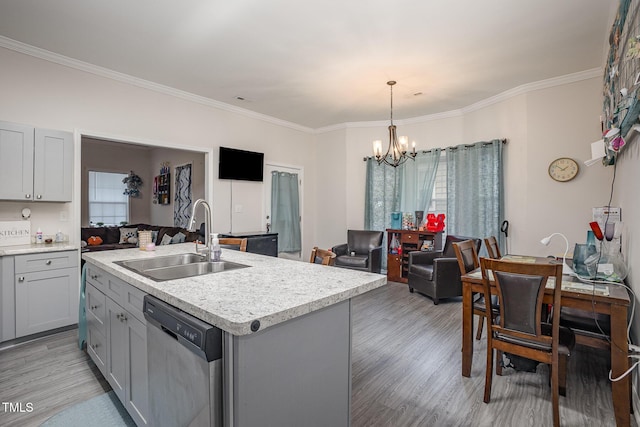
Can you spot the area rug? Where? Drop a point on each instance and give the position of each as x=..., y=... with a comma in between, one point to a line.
x=101, y=411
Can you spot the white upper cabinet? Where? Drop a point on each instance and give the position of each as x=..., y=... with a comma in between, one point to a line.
x=35, y=164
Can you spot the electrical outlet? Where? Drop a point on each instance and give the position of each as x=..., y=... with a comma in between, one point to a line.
x=238, y=209
x=63, y=216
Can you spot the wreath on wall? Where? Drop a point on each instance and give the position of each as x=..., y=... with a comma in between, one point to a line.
x=133, y=181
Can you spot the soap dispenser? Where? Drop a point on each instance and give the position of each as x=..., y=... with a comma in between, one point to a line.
x=216, y=251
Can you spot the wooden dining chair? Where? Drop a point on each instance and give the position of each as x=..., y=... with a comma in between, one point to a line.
x=521, y=330
x=321, y=256
x=467, y=262
x=234, y=241
x=491, y=243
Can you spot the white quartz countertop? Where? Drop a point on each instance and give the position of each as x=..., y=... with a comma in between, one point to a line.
x=271, y=290
x=36, y=248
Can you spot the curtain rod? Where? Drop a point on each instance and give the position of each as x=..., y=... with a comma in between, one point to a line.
x=502, y=140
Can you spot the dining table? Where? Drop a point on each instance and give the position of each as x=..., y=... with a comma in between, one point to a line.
x=608, y=299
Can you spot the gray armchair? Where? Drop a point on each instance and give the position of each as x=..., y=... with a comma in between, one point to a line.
x=437, y=274
x=363, y=251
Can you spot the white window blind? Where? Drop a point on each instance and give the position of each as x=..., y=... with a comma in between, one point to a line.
x=107, y=202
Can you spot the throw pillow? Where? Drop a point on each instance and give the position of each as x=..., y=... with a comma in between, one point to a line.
x=166, y=240
x=178, y=238
x=154, y=236
x=126, y=233
x=94, y=241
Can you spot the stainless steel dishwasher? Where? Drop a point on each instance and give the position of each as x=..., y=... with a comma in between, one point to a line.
x=184, y=357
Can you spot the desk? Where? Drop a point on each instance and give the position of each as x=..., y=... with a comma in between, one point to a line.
x=615, y=304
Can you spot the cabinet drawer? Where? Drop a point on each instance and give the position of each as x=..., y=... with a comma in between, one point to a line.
x=134, y=301
x=108, y=284
x=95, y=308
x=410, y=237
x=45, y=261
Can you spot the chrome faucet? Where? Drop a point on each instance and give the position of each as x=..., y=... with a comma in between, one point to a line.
x=207, y=223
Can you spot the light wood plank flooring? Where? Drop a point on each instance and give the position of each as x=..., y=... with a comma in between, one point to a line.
x=406, y=372
x=51, y=373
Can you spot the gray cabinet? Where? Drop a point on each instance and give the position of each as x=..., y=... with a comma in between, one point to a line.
x=114, y=316
x=46, y=291
x=35, y=164
x=96, y=310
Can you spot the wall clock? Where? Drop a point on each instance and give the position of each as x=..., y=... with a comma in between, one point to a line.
x=563, y=169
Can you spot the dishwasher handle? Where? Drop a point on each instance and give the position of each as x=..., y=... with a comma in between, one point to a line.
x=168, y=332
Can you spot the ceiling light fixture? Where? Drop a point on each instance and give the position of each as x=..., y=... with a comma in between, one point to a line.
x=397, y=152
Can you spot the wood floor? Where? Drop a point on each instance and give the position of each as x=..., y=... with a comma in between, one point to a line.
x=406, y=372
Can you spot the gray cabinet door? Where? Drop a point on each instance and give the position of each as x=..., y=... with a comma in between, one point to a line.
x=16, y=161
x=96, y=327
x=52, y=166
x=46, y=300
x=137, y=390
x=116, y=349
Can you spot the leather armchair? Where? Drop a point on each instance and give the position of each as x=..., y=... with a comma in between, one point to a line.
x=363, y=251
x=437, y=274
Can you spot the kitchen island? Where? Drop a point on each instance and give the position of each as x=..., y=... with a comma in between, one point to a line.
x=286, y=332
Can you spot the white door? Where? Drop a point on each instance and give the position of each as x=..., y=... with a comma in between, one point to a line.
x=268, y=168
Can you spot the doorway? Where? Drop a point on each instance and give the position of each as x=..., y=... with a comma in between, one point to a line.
x=288, y=221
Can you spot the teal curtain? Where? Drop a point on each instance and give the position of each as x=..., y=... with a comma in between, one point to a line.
x=285, y=211
x=418, y=178
x=382, y=195
x=475, y=190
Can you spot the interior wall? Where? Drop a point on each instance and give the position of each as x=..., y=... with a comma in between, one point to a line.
x=105, y=156
x=163, y=214
x=625, y=195
x=54, y=96
x=541, y=125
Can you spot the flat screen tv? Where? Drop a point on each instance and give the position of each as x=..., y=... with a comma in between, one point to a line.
x=240, y=165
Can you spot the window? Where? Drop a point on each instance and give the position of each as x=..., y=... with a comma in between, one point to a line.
x=107, y=202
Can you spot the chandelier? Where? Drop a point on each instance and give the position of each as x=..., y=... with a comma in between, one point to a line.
x=397, y=152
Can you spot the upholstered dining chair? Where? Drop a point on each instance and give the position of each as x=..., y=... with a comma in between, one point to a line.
x=521, y=330
x=493, y=249
x=467, y=262
x=321, y=256
x=234, y=241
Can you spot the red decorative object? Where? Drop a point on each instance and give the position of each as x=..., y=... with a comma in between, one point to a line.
x=94, y=241
x=435, y=223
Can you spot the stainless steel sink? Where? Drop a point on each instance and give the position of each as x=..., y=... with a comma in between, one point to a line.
x=177, y=266
x=190, y=270
x=163, y=261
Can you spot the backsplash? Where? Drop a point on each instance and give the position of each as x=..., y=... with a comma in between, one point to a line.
x=49, y=217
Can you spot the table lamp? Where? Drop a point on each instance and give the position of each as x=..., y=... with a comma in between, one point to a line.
x=565, y=268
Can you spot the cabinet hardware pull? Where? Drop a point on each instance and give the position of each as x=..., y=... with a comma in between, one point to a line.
x=27, y=196
x=94, y=346
x=93, y=307
x=21, y=279
x=94, y=276
x=118, y=316
x=48, y=262
x=124, y=318
x=39, y=196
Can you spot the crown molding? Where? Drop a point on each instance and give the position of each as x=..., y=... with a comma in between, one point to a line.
x=145, y=84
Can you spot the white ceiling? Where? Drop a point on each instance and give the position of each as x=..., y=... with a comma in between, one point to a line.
x=320, y=63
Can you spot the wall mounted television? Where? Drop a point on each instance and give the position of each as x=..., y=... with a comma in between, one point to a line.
x=240, y=165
